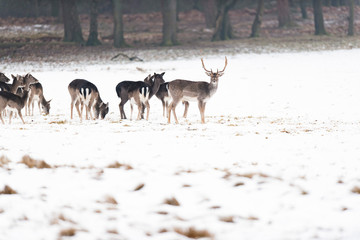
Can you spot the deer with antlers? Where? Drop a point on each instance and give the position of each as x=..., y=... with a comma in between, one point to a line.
x=201, y=92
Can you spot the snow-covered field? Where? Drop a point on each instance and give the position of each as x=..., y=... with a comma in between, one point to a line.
x=279, y=156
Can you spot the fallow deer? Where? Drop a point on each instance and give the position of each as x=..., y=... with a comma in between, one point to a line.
x=14, y=102
x=86, y=93
x=163, y=95
x=201, y=92
x=13, y=87
x=37, y=94
x=4, y=78
x=138, y=93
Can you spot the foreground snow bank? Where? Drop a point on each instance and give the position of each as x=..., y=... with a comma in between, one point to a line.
x=277, y=159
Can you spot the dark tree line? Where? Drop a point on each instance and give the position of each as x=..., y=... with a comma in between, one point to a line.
x=216, y=13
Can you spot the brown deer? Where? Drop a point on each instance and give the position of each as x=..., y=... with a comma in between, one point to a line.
x=13, y=87
x=14, y=102
x=37, y=94
x=139, y=93
x=4, y=78
x=201, y=92
x=86, y=93
x=163, y=95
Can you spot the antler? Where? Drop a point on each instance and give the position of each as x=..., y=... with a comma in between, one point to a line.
x=204, y=66
x=225, y=64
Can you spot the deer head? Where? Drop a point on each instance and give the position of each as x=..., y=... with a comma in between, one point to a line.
x=214, y=75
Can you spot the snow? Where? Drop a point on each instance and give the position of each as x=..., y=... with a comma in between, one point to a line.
x=278, y=156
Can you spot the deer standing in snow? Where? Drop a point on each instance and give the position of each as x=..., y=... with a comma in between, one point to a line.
x=37, y=94
x=13, y=102
x=86, y=93
x=201, y=92
x=139, y=93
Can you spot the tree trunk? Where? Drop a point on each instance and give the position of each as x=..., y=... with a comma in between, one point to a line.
x=169, y=22
x=72, y=27
x=318, y=18
x=335, y=3
x=223, y=28
x=209, y=10
x=119, y=40
x=93, y=34
x=255, y=29
x=283, y=13
x=351, y=18
x=303, y=9
x=55, y=8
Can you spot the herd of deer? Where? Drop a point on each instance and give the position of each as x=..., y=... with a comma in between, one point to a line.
x=25, y=90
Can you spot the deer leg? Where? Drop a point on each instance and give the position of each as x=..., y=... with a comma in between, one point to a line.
x=39, y=108
x=20, y=115
x=147, y=110
x=1, y=117
x=186, y=103
x=172, y=107
x=163, y=105
x=202, y=111
x=131, y=111
x=142, y=110
x=78, y=110
x=71, y=109
x=10, y=116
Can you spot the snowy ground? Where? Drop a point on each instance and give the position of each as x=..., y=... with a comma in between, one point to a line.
x=279, y=156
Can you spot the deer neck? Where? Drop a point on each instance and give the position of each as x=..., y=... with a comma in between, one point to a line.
x=155, y=88
x=213, y=85
x=14, y=86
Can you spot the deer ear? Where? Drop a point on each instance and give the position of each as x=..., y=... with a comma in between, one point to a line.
x=107, y=105
x=208, y=73
x=49, y=101
x=162, y=74
x=13, y=76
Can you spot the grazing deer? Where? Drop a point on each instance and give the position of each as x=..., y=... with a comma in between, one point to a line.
x=14, y=102
x=4, y=78
x=201, y=92
x=86, y=93
x=37, y=94
x=138, y=93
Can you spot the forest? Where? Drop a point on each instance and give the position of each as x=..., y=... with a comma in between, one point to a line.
x=96, y=22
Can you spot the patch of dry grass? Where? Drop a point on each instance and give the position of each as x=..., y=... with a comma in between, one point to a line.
x=4, y=160
x=32, y=163
x=172, y=201
x=356, y=190
x=120, y=165
x=68, y=232
x=228, y=219
x=8, y=190
x=58, y=122
x=139, y=187
x=194, y=233
x=110, y=199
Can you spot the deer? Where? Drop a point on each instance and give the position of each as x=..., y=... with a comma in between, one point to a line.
x=139, y=93
x=14, y=102
x=163, y=95
x=37, y=94
x=86, y=93
x=4, y=78
x=13, y=87
x=200, y=92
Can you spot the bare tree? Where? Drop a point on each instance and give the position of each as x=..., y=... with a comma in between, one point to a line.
x=119, y=40
x=303, y=9
x=318, y=18
x=169, y=29
x=209, y=10
x=255, y=29
x=72, y=27
x=351, y=18
x=283, y=13
x=93, y=35
x=223, y=29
